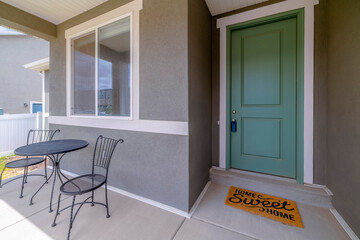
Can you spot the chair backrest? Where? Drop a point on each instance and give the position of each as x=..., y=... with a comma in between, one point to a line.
x=35, y=136
x=104, y=149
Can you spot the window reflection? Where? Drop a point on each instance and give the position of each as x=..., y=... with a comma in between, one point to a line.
x=83, y=80
x=114, y=69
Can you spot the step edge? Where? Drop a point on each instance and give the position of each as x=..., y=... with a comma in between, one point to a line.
x=320, y=191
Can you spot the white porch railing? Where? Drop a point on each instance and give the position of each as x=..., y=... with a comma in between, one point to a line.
x=14, y=130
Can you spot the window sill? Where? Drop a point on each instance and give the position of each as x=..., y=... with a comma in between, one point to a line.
x=152, y=126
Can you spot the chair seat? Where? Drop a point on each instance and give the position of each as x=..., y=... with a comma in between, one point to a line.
x=24, y=162
x=82, y=184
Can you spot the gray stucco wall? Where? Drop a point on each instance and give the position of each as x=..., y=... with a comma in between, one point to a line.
x=199, y=59
x=147, y=164
x=343, y=112
x=155, y=166
x=18, y=84
x=163, y=60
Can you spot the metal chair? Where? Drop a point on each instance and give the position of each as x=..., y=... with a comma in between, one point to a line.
x=34, y=136
x=104, y=149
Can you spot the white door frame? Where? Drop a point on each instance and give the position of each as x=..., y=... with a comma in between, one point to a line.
x=35, y=102
x=269, y=10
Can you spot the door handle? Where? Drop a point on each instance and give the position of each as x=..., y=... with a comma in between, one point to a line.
x=233, y=125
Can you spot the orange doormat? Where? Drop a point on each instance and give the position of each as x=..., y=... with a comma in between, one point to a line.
x=276, y=208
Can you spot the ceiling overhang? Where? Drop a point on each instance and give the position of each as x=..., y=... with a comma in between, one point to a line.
x=217, y=7
x=54, y=11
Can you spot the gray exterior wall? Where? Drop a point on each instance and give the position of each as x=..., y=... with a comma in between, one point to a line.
x=156, y=166
x=163, y=60
x=18, y=84
x=343, y=112
x=199, y=59
x=147, y=164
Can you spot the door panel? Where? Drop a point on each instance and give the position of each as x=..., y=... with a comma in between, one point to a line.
x=261, y=137
x=261, y=87
x=263, y=94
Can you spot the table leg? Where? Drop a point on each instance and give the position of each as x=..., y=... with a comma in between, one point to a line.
x=52, y=172
x=60, y=174
x=52, y=189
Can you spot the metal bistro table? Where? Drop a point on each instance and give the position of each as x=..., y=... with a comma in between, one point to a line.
x=55, y=150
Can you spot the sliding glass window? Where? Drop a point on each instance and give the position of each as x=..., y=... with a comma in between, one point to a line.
x=101, y=71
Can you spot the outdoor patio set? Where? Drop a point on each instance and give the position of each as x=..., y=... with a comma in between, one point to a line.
x=40, y=146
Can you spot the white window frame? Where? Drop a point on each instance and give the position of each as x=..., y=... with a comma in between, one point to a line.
x=138, y=125
x=128, y=10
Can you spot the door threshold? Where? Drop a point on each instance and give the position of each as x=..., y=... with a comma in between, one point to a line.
x=263, y=175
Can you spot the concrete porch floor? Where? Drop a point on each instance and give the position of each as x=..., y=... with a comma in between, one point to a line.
x=132, y=219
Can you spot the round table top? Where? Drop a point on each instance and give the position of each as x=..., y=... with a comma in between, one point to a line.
x=51, y=147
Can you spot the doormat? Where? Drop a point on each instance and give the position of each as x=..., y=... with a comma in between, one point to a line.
x=272, y=207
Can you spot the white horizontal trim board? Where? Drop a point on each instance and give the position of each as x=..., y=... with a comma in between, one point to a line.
x=265, y=11
x=345, y=226
x=141, y=199
x=40, y=65
x=165, y=127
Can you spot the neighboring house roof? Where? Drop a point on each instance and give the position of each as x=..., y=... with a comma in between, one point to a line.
x=55, y=11
x=222, y=6
x=39, y=65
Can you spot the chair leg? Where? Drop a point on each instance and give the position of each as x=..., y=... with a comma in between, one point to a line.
x=23, y=182
x=71, y=217
x=92, y=198
x=107, y=204
x=1, y=176
x=57, y=211
x=27, y=170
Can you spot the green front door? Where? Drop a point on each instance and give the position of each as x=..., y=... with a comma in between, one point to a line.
x=263, y=98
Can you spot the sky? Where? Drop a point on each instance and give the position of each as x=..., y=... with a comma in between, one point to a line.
x=7, y=31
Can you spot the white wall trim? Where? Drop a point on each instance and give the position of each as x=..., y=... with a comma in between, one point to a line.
x=269, y=10
x=39, y=65
x=323, y=187
x=198, y=200
x=137, y=197
x=345, y=226
x=152, y=126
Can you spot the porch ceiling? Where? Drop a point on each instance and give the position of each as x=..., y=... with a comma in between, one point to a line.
x=222, y=6
x=54, y=11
